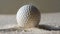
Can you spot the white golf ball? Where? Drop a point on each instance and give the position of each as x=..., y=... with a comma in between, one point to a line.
x=28, y=16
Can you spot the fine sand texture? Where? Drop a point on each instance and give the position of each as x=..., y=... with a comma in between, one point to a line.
x=8, y=21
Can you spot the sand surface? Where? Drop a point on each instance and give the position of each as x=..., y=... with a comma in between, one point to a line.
x=8, y=21
x=31, y=31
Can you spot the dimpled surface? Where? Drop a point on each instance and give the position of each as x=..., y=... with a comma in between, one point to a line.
x=28, y=16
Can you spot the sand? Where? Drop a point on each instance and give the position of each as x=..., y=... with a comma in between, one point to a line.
x=8, y=21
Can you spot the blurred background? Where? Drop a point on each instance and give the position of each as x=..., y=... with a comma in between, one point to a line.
x=50, y=11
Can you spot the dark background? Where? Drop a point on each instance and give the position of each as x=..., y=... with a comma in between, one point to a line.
x=45, y=6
